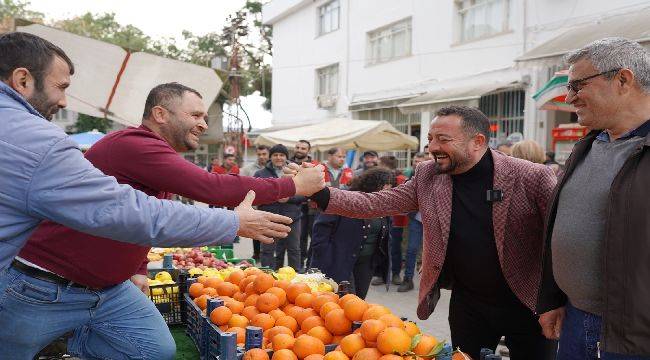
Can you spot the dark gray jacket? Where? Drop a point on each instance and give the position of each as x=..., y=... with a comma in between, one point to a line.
x=289, y=209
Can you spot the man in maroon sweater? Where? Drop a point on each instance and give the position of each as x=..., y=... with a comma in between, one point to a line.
x=147, y=159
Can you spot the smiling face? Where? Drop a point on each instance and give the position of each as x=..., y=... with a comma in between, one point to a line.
x=301, y=150
x=598, y=100
x=278, y=159
x=453, y=149
x=49, y=96
x=184, y=122
x=337, y=159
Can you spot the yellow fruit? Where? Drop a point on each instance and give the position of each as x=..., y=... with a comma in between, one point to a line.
x=163, y=275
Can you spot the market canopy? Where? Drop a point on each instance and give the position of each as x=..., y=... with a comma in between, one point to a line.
x=461, y=91
x=114, y=83
x=552, y=95
x=87, y=139
x=344, y=133
x=633, y=26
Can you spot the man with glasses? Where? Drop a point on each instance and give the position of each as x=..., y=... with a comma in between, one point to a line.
x=108, y=316
x=596, y=277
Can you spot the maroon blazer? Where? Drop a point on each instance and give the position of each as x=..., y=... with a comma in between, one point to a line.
x=518, y=221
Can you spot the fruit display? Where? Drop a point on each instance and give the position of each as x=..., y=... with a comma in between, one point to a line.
x=298, y=320
x=188, y=258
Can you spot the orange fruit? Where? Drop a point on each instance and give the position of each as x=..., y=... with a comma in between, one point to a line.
x=238, y=321
x=392, y=320
x=295, y=289
x=371, y=328
x=425, y=345
x=201, y=279
x=411, y=328
x=211, y=292
x=315, y=357
x=245, y=281
x=337, y=323
x=236, y=277
x=252, y=271
x=256, y=354
x=460, y=356
x=321, y=333
x=293, y=310
x=280, y=293
x=212, y=282
x=354, y=309
x=282, y=284
x=327, y=307
x=288, y=322
x=251, y=300
x=196, y=290
x=202, y=301
x=304, y=299
x=235, y=306
x=351, y=344
x=241, y=333
x=375, y=312
x=393, y=357
x=263, y=282
x=305, y=313
x=346, y=298
x=336, y=355
x=367, y=354
x=311, y=322
x=227, y=289
x=283, y=341
x=277, y=313
x=220, y=315
x=267, y=302
x=250, y=288
x=276, y=330
x=265, y=321
x=250, y=312
x=393, y=340
x=336, y=339
x=306, y=345
x=284, y=354
x=319, y=301
x=239, y=296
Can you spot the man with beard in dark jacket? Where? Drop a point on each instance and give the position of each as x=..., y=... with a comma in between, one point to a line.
x=272, y=255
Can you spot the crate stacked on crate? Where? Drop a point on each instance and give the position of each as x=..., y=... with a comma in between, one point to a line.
x=297, y=319
x=195, y=322
x=166, y=287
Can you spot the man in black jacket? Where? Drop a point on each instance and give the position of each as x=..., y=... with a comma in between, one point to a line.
x=272, y=255
x=595, y=293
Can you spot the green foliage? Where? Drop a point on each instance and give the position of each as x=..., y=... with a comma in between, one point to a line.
x=90, y=123
x=18, y=9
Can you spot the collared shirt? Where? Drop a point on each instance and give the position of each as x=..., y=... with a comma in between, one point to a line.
x=43, y=175
x=641, y=131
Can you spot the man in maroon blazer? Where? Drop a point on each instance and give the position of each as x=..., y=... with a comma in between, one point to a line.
x=483, y=216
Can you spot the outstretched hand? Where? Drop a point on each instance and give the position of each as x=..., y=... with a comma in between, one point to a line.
x=260, y=225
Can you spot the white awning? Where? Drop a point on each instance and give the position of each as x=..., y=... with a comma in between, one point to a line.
x=345, y=133
x=108, y=81
x=633, y=26
x=462, y=91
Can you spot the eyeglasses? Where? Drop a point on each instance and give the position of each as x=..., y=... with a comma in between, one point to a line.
x=578, y=84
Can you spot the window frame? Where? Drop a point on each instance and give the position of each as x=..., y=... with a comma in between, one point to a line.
x=375, y=36
x=460, y=12
x=332, y=71
x=320, y=16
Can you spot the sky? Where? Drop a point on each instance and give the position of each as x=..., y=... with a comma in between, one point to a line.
x=161, y=19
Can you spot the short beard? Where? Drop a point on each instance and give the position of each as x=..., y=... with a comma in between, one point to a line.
x=299, y=156
x=41, y=103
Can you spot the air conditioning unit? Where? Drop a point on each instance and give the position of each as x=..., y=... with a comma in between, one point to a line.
x=326, y=101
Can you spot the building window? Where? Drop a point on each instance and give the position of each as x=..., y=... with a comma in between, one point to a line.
x=482, y=18
x=327, y=85
x=505, y=109
x=328, y=17
x=390, y=42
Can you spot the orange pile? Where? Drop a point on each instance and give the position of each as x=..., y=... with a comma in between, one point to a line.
x=298, y=323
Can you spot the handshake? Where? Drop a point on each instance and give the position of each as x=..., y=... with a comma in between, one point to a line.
x=264, y=226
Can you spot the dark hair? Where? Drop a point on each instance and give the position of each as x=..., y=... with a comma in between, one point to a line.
x=23, y=50
x=306, y=142
x=333, y=150
x=164, y=94
x=389, y=161
x=228, y=156
x=474, y=121
x=262, y=147
x=373, y=180
x=279, y=149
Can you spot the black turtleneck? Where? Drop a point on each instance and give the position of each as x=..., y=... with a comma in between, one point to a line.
x=472, y=258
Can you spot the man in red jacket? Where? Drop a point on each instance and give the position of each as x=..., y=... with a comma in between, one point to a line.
x=124, y=323
x=483, y=216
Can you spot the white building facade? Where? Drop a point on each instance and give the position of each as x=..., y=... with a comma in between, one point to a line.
x=401, y=60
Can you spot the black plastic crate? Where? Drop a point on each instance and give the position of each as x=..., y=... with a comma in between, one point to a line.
x=168, y=298
x=195, y=322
